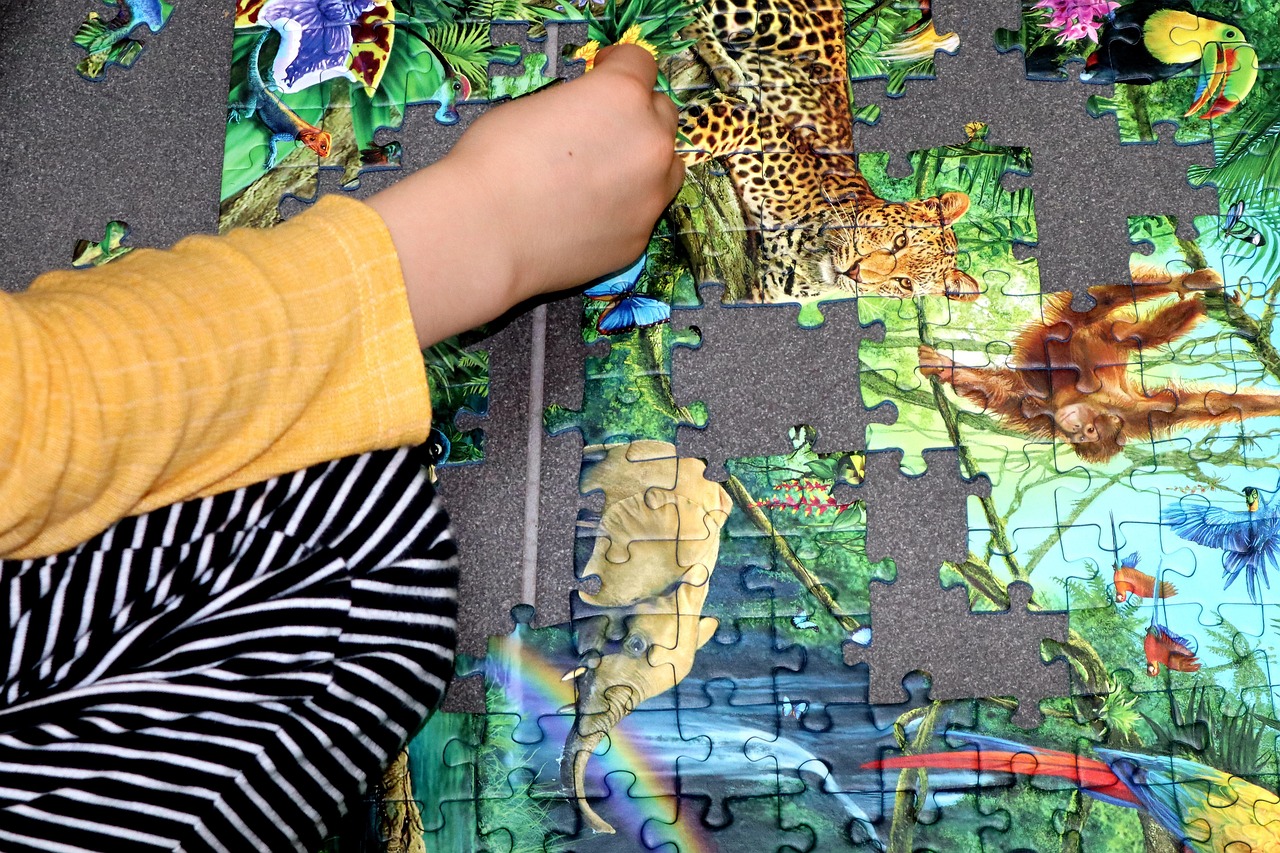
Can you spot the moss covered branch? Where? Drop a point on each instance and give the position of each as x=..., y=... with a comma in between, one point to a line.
x=999, y=535
x=742, y=498
x=913, y=784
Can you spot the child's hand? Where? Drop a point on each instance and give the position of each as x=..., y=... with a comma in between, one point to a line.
x=577, y=175
x=541, y=194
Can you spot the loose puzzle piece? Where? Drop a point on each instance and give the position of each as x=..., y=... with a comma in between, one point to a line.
x=88, y=253
x=114, y=40
x=458, y=374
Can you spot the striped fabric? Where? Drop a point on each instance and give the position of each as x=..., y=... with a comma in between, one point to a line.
x=224, y=674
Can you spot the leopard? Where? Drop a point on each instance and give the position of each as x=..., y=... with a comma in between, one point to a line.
x=779, y=119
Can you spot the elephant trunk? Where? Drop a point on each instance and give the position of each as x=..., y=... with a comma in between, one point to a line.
x=573, y=774
x=589, y=729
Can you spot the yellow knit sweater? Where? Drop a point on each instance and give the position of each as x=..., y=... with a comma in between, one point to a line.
x=171, y=375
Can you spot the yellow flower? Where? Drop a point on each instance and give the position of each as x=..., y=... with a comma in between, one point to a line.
x=588, y=51
x=632, y=36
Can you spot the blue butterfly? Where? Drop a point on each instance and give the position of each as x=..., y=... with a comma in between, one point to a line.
x=626, y=310
x=797, y=710
x=802, y=621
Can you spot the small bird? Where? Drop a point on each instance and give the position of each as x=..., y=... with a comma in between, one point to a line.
x=1132, y=581
x=1250, y=540
x=1148, y=41
x=435, y=452
x=1205, y=809
x=1162, y=646
x=920, y=41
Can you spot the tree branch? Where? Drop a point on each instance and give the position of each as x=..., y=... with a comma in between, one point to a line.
x=913, y=784
x=999, y=535
x=808, y=579
x=1256, y=334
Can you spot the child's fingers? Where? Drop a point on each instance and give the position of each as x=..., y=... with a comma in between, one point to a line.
x=667, y=112
x=629, y=59
x=675, y=177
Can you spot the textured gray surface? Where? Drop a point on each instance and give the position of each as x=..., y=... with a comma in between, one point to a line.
x=146, y=146
x=807, y=380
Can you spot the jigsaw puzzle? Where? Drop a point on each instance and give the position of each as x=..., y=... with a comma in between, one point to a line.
x=706, y=693
x=1190, y=65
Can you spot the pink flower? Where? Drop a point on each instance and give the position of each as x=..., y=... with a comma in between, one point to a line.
x=1076, y=19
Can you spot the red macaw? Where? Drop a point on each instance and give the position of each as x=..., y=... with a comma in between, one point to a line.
x=1162, y=646
x=1207, y=810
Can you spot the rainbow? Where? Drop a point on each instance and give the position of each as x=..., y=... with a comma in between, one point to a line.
x=532, y=678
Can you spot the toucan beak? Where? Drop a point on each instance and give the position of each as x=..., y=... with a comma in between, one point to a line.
x=1227, y=73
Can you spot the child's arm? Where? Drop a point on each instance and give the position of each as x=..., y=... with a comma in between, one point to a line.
x=170, y=375
x=547, y=192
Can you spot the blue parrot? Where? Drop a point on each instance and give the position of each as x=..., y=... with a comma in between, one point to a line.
x=1250, y=540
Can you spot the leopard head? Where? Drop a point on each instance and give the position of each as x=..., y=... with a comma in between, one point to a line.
x=902, y=249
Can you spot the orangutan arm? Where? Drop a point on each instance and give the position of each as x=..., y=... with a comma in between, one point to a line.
x=1161, y=325
x=1193, y=407
x=996, y=390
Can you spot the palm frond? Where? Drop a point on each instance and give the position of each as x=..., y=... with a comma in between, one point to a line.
x=1202, y=728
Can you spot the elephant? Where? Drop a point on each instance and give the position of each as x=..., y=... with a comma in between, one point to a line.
x=654, y=554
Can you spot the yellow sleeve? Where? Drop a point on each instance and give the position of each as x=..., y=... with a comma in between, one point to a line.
x=170, y=375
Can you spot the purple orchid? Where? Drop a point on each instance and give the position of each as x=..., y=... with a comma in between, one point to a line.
x=315, y=39
x=1076, y=19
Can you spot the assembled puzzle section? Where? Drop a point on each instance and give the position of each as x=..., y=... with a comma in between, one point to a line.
x=1196, y=67
x=95, y=253
x=776, y=208
x=710, y=688
x=316, y=87
x=970, y=176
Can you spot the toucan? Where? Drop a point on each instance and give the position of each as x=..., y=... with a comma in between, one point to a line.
x=1148, y=41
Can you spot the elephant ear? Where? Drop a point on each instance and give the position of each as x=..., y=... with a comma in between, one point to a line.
x=644, y=544
x=691, y=590
x=707, y=626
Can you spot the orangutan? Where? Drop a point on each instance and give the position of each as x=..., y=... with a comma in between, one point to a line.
x=1070, y=376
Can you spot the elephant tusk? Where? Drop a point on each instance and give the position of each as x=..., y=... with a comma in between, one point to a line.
x=577, y=672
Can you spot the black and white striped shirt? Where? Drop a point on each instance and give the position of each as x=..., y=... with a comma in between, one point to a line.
x=226, y=673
